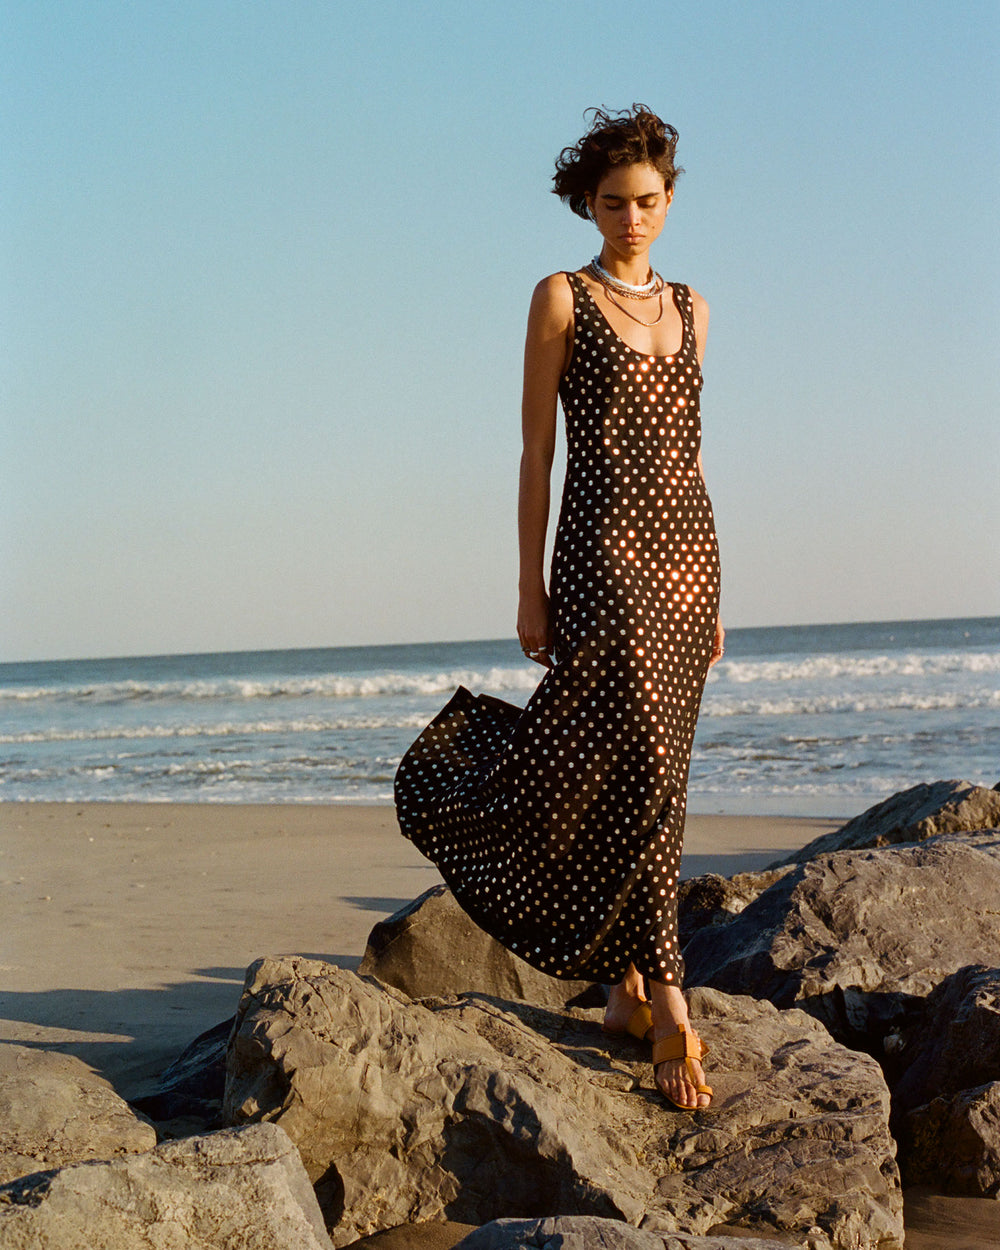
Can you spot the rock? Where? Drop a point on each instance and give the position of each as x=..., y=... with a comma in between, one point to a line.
x=945, y=1100
x=588, y=1232
x=954, y=1044
x=54, y=1110
x=191, y=1089
x=923, y=811
x=714, y=900
x=431, y=949
x=473, y=1109
x=231, y=1190
x=954, y=1143
x=857, y=937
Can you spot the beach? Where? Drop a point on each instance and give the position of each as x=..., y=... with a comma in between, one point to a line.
x=127, y=927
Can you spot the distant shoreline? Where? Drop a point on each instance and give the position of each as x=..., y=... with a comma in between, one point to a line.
x=733, y=632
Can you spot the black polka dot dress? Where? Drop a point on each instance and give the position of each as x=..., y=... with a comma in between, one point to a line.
x=558, y=827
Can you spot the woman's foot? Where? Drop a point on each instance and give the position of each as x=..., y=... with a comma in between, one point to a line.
x=628, y=1005
x=676, y=1079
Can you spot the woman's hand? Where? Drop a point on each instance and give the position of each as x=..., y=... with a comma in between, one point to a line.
x=719, y=648
x=533, y=627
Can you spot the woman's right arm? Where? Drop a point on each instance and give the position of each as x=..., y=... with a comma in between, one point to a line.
x=547, y=350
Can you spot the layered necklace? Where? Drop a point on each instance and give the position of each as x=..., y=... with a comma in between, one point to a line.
x=654, y=285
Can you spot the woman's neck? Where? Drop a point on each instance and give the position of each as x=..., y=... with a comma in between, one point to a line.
x=631, y=269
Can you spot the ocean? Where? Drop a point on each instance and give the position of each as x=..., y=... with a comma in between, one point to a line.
x=798, y=720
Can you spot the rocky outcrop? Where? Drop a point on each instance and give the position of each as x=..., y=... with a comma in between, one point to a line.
x=946, y=1086
x=475, y=1109
x=188, y=1095
x=954, y=1044
x=54, y=1110
x=588, y=1232
x=923, y=811
x=954, y=1143
x=431, y=949
x=711, y=900
x=858, y=937
x=226, y=1191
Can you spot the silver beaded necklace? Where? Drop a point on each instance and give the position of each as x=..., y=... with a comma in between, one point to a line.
x=654, y=286
x=643, y=290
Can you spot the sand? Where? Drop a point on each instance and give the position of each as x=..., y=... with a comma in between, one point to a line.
x=125, y=928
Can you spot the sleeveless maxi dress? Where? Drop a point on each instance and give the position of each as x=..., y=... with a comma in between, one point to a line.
x=558, y=827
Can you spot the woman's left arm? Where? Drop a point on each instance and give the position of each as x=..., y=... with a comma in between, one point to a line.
x=699, y=309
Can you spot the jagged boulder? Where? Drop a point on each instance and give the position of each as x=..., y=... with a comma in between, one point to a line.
x=588, y=1232
x=231, y=1190
x=476, y=1109
x=954, y=1044
x=858, y=937
x=709, y=900
x=923, y=811
x=54, y=1110
x=954, y=1143
x=188, y=1095
x=431, y=949
x=946, y=1086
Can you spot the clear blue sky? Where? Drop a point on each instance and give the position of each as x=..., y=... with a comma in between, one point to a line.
x=266, y=269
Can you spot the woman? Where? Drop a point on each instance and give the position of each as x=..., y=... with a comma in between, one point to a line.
x=559, y=827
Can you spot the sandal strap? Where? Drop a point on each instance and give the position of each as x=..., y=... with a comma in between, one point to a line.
x=640, y=1022
x=684, y=1044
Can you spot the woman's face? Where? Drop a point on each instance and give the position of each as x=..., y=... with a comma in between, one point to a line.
x=629, y=208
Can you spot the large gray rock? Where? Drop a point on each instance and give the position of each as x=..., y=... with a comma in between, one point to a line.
x=954, y=1044
x=589, y=1232
x=431, y=949
x=954, y=1143
x=187, y=1098
x=711, y=900
x=946, y=1097
x=923, y=811
x=54, y=1110
x=855, y=937
x=475, y=1109
x=913, y=815
x=233, y=1190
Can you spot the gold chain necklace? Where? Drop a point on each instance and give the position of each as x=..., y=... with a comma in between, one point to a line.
x=638, y=320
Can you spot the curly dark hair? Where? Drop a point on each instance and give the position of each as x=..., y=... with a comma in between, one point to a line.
x=634, y=136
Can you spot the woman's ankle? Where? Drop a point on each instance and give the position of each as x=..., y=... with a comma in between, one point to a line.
x=669, y=1008
x=632, y=985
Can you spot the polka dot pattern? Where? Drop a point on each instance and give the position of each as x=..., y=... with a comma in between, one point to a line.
x=558, y=827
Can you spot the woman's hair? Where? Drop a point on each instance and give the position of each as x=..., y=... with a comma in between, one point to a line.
x=634, y=136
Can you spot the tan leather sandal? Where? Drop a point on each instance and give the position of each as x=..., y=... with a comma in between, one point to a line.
x=687, y=1045
x=639, y=1026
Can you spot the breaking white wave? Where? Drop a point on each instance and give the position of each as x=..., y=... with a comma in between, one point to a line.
x=827, y=667
x=328, y=686
x=226, y=729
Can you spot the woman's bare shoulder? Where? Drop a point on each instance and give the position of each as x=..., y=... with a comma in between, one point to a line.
x=699, y=311
x=554, y=289
x=552, y=300
x=699, y=305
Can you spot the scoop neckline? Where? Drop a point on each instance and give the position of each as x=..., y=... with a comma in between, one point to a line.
x=628, y=346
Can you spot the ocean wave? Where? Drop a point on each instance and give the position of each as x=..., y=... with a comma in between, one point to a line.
x=870, y=701
x=824, y=667
x=326, y=685
x=225, y=729
x=497, y=679
x=716, y=704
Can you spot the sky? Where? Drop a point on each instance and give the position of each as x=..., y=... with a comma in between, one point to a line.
x=265, y=273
